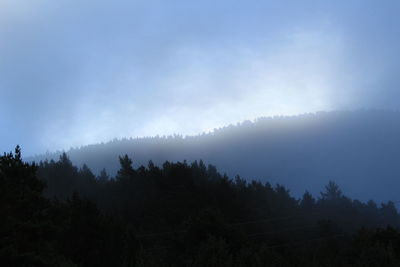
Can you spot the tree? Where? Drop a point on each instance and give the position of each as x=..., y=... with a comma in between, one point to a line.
x=332, y=191
x=213, y=253
x=389, y=214
x=308, y=201
x=126, y=171
x=25, y=228
x=103, y=177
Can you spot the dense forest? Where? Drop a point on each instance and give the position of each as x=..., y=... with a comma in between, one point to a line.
x=181, y=214
x=357, y=149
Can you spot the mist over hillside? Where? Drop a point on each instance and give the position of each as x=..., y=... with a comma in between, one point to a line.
x=360, y=150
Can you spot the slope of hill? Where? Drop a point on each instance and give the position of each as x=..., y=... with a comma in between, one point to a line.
x=360, y=150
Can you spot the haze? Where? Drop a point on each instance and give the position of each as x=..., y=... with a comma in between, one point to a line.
x=79, y=72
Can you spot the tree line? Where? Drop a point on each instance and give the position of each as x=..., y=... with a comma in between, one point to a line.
x=358, y=149
x=181, y=214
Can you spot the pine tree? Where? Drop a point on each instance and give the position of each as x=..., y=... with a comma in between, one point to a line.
x=332, y=191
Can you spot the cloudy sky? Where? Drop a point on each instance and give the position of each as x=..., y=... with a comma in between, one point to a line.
x=74, y=72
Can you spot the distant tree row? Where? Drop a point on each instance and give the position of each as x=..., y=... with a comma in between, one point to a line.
x=356, y=149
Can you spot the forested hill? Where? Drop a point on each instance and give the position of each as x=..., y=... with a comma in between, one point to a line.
x=360, y=150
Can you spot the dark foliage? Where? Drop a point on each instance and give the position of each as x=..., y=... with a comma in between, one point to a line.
x=181, y=214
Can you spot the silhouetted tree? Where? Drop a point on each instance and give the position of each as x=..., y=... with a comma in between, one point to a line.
x=332, y=191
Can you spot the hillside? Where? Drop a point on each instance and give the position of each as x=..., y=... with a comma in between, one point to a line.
x=360, y=150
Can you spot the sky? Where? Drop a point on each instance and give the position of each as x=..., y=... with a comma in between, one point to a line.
x=76, y=72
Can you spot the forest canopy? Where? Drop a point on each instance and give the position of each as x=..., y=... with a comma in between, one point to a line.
x=181, y=214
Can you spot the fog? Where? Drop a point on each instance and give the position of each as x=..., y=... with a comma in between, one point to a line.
x=359, y=150
x=74, y=73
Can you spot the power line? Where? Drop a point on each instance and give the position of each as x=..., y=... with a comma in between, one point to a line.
x=292, y=243
x=264, y=220
x=239, y=223
x=160, y=234
x=306, y=240
x=284, y=230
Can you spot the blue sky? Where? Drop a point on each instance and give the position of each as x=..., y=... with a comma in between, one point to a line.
x=79, y=72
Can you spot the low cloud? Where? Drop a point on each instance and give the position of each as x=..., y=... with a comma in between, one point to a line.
x=73, y=73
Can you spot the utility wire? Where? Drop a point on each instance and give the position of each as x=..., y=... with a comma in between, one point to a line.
x=264, y=220
x=239, y=223
x=246, y=223
x=306, y=240
x=284, y=230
